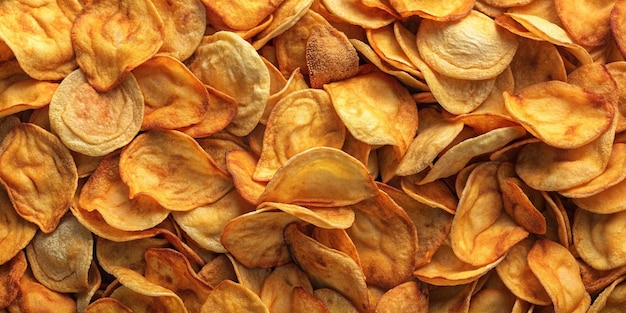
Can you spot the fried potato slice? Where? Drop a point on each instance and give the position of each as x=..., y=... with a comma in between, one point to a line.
x=113, y=37
x=536, y=61
x=11, y=273
x=107, y=305
x=618, y=16
x=173, y=169
x=329, y=56
x=38, y=34
x=295, y=82
x=205, y=224
x=411, y=296
x=241, y=165
x=229, y=296
x=184, y=23
x=170, y=269
x=588, y=22
x=435, y=194
x=302, y=120
x=35, y=297
x=95, y=123
x=433, y=10
x=305, y=302
x=386, y=240
x=607, y=201
x=329, y=218
x=284, y=17
x=39, y=175
x=61, y=260
x=183, y=102
x=618, y=72
x=278, y=286
x=221, y=111
x=575, y=116
x=557, y=270
x=242, y=15
x=481, y=230
x=320, y=176
x=611, y=298
x=356, y=13
x=16, y=232
x=19, y=92
x=334, y=301
x=520, y=201
x=129, y=254
x=596, y=239
x=317, y=260
x=448, y=50
x=106, y=193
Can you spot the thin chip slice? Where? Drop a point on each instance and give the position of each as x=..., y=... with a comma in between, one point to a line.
x=27, y=152
x=618, y=72
x=329, y=218
x=106, y=52
x=447, y=48
x=221, y=111
x=330, y=56
x=588, y=22
x=233, y=297
x=129, y=254
x=536, y=61
x=334, y=301
x=601, y=254
x=383, y=40
x=241, y=165
x=184, y=23
x=411, y=296
x=355, y=12
x=279, y=285
x=520, y=201
x=35, y=297
x=15, y=231
x=435, y=194
x=434, y=10
x=284, y=17
x=173, y=169
x=618, y=28
x=305, y=302
x=242, y=15
x=95, y=123
x=107, y=305
x=19, y=92
x=11, y=273
x=320, y=176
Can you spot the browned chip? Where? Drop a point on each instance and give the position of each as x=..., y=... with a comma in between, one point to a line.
x=15, y=232
x=618, y=25
x=522, y=203
x=11, y=272
x=184, y=23
x=38, y=173
x=233, y=297
x=536, y=61
x=440, y=10
x=305, y=302
x=141, y=295
x=35, y=297
x=19, y=92
x=279, y=284
x=330, y=56
x=241, y=165
x=107, y=305
x=112, y=37
x=411, y=296
x=242, y=14
x=588, y=22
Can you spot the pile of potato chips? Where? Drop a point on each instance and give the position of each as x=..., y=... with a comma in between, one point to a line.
x=312, y=156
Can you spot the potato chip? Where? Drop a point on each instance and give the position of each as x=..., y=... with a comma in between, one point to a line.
x=451, y=298
x=596, y=78
x=251, y=278
x=95, y=123
x=434, y=10
x=184, y=103
x=241, y=165
x=329, y=218
x=26, y=152
x=383, y=40
x=337, y=239
x=5, y=52
x=219, y=145
x=184, y=23
x=334, y=301
x=304, y=119
x=329, y=56
x=16, y=232
x=278, y=286
x=296, y=82
x=520, y=201
x=588, y=22
x=519, y=278
x=61, y=259
x=618, y=72
x=221, y=111
x=305, y=302
x=285, y=16
x=454, y=159
x=19, y=92
x=245, y=77
x=11, y=273
x=107, y=305
x=35, y=297
x=106, y=58
x=172, y=168
x=217, y=270
x=448, y=50
x=38, y=34
x=411, y=296
x=204, y=224
x=170, y=269
x=558, y=272
x=317, y=261
x=355, y=12
x=596, y=280
x=596, y=239
x=435, y=194
x=233, y=297
x=128, y=254
x=536, y=61
x=611, y=298
x=330, y=178
x=617, y=25
x=575, y=118
x=242, y=15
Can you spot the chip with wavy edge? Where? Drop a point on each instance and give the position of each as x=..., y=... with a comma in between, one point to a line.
x=277, y=287
x=434, y=10
x=242, y=15
x=618, y=16
x=184, y=23
x=95, y=123
x=229, y=295
x=11, y=272
x=25, y=153
x=587, y=22
x=19, y=92
x=16, y=231
x=173, y=169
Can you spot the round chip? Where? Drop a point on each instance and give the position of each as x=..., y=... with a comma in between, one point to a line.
x=588, y=22
x=618, y=25
x=441, y=10
x=184, y=23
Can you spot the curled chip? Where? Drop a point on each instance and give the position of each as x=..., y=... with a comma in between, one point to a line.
x=235, y=297
x=184, y=23
x=439, y=10
x=411, y=296
x=19, y=92
x=531, y=52
x=241, y=165
x=280, y=282
x=284, y=17
x=596, y=239
x=450, y=49
x=618, y=27
x=587, y=22
x=172, y=168
x=242, y=14
x=329, y=56
x=328, y=218
x=357, y=13
x=107, y=305
x=15, y=232
x=95, y=123
x=141, y=295
x=107, y=53
x=26, y=152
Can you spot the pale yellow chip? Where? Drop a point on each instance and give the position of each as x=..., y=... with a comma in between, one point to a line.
x=384, y=41
x=95, y=123
x=447, y=48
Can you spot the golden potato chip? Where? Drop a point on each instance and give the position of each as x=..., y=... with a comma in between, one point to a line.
x=278, y=286
x=106, y=193
x=242, y=15
x=16, y=232
x=435, y=194
x=170, y=269
x=233, y=297
x=251, y=278
x=433, y=135
x=107, y=305
x=518, y=277
x=596, y=78
x=520, y=201
x=255, y=239
x=184, y=103
x=330, y=56
x=303, y=119
x=587, y=22
x=434, y=10
x=39, y=175
x=451, y=298
x=284, y=17
x=305, y=302
x=241, y=165
x=383, y=40
x=334, y=301
x=618, y=72
x=5, y=52
x=61, y=259
x=492, y=299
x=141, y=295
x=204, y=224
x=219, y=145
x=357, y=13
x=610, y=299
x=618, y=15
x=325, y=217
x=607, y=201
x=575, y=118
x=231, y=65
x=173, y=169
x=411, y=296
x=35, y=297
x=327, y=267
x=536, y=61
x=557, y=270
x=221, y=111
x=454, y=159
x=19, y=92
x=38, y=33
x=95, y=123
x=448, y=50
x=596, y=239
x=217, y=270
x=11, y=273
x=320, y=176
x=128, y=254
x=337, y=239
x=596, y=280
x=296, y=82
x=111, y=38
x=184, y=23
